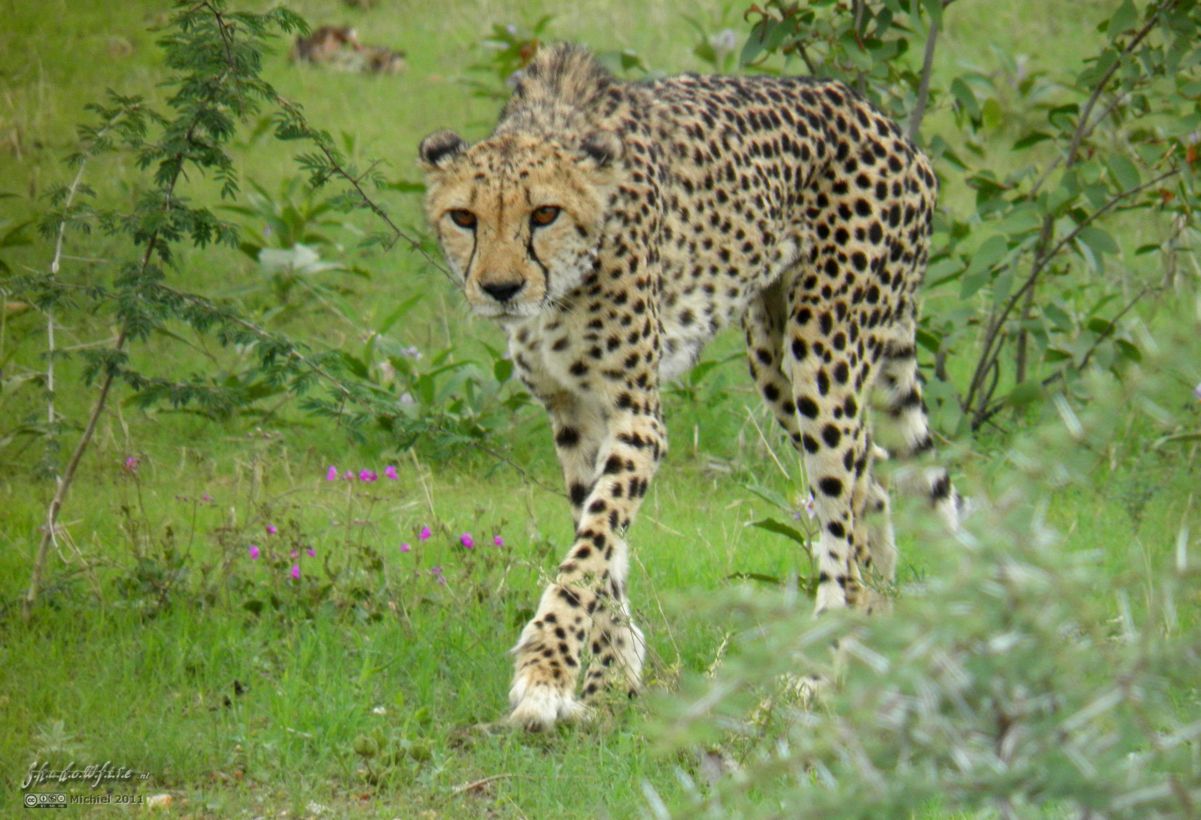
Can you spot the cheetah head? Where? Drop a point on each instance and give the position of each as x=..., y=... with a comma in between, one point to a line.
x=520, y=217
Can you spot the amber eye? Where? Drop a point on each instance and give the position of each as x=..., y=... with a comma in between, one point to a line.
x=541, y=217
x=464, y=219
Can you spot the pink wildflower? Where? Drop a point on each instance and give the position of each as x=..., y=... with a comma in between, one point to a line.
x=254, y=552
x=349, y=476
x=296, y=572
x=424, y=535
x=436, y=572
x=272, y=529
x=131, y=464
x=405, y=547
x=332, y=473
x=294, y=554
x=206, y=498
x=466, y=540
x=368, y=475
x=310, y=552
x=496, y=539
x=390, y=472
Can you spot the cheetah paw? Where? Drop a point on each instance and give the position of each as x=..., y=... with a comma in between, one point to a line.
x=537, y=706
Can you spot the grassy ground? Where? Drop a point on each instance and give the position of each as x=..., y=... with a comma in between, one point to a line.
x=369, y=685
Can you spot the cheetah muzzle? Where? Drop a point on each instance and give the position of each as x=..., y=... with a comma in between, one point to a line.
x=613, y=228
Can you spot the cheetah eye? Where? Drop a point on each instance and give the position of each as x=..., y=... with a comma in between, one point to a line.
x=464, y=219
x=541, y=217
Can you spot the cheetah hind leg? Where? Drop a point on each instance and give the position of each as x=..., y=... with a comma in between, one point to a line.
x=882, y=545
x=906, y=415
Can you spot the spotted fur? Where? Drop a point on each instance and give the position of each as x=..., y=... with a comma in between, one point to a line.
x=613, y=228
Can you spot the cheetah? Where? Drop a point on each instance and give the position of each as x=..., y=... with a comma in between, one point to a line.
x=612, y=228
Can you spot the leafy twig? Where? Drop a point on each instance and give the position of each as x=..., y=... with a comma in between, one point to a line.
x=295, y=126
x=990, y=350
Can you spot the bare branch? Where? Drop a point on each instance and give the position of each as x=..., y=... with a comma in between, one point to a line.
x=923, y=88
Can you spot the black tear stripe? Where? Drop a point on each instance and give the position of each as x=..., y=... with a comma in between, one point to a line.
x=475, y=241
x=529, y=249
x=500, y=205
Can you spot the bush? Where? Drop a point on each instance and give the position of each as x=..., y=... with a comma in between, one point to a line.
x=1015, y=676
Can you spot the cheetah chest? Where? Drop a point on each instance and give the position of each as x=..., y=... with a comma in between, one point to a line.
x=702, y=293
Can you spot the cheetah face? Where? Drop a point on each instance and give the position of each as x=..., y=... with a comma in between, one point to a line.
x=520, y=218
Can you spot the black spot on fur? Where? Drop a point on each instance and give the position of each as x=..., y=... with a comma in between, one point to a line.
x=579, y=492
x=830, y=486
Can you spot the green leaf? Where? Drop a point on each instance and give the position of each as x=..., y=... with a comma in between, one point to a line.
x=404, y=186
x=1123, y=19
x=355, y=365
x=930, y=341
x=502, y=369
x=1124, y=171
x=1058, y=317
x=943, y=271
x=986, y=256
x=1033, y=138
x=1179, y=438
x=1064, y=193
x=1098, y=240
x=991, y=113
x=1063, y=117
x=1025, y=393
x=934, y=9
x=780, y=528
x=754, y=44
x=965, y=98
x=250, y=249
x=1022, y=220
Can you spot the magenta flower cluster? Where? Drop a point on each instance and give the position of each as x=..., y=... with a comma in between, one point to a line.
x=366, y=476
x=333, y=473
x=466, y=540
x=255, y=552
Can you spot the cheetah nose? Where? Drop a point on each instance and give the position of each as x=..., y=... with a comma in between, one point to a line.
x=503, y=291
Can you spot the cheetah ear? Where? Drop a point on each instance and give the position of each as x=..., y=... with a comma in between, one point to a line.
x=439, y=148
x=602, y=147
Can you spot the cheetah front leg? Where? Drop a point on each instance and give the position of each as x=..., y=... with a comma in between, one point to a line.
x=615, y=644
x=587, y=600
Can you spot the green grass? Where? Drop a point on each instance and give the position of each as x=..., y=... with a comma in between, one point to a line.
x=238, y=713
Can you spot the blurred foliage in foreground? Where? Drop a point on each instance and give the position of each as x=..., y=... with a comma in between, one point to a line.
x=1002, y=682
